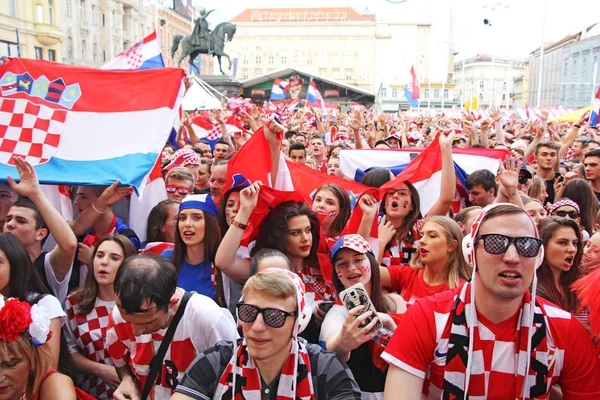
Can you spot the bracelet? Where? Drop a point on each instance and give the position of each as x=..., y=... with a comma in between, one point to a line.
x=95, y=209
x=576, y=126
x=238, y=225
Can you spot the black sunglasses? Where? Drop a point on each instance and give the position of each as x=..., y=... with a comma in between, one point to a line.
x=523, y=179
x=272, y=316
x=572, y=214
x=495, y=243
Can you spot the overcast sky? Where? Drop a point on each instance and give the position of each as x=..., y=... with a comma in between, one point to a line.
x=516, y=24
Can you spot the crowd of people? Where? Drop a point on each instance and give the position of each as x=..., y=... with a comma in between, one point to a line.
x=494, y=300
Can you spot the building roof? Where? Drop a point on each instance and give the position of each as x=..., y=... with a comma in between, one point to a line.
x=320, y=14
x=289, y=71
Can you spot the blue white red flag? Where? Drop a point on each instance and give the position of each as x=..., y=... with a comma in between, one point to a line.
x=84, y=126
x=412, y=91
x=595, y=110
x=425, y=170
x=142, y=55
x=280, y=87
x=313, y=97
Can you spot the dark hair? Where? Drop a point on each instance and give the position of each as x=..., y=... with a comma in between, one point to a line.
x=263, y=254
x=548, y=144
x=223, y=223
x=340, y=221
x=212, y=239
x=221, y=141
x=274, y=229
x=580, y=192
x=88, y=294
x=298, y=146
x=503, y=210
x=289, y=134
x=528, y=137
x=23, y=278
x=482, y=177
x=340, y=146
x=411, y=217
x=377, y=296
x=593, y=153
x=381, y=141
x=588, y=142
x=377, y=177
x=145, y=278
x=477, y=146
x=317, y=137
x=25, y=202
x=156, y=219
x=463, y=214
x=546, y=287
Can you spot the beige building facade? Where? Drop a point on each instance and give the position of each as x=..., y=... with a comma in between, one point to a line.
x=338, y=43
x=31, y=29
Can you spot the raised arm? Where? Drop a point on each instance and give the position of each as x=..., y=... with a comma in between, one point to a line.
x=237, y=269
x=508, y=178
x=63, y=254
x=448, y=188
x=570, y=138
x=497, y=117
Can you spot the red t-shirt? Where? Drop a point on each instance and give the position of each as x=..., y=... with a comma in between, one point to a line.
x=422, y=346
x=410, y=284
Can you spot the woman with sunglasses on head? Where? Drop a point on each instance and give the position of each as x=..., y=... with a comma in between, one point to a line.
x=197, y=238
x=353, y=262
x=88, y=310
x=566, y=208
x=400, y=211
x=438, y=266
x=563, y=249
x=581, y=193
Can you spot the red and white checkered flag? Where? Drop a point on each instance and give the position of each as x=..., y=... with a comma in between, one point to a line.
x=215, y=132
x=134, y=56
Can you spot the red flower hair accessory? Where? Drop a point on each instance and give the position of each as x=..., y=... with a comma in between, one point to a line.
x=18, y=317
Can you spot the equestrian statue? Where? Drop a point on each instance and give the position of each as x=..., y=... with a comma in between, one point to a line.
x=204, y=41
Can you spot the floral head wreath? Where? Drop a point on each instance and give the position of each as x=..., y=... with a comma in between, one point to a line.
x=19, y=318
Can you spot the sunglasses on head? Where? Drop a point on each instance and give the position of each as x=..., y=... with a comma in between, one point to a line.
x=272, y=316
x=180, y=189
x=562, y=213
x=495, y=243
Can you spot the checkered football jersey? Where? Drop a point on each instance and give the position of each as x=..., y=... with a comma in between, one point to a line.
x=410, y=284
x=202, y=325
x=89, y=332
x=401, y=252
x=422, y=347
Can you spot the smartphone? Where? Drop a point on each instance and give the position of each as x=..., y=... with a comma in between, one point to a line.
x=356, y=296
x=326, y=305
x=558, y=177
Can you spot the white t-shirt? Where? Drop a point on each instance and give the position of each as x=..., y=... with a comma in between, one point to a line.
x=58, y=289
x=51, y=305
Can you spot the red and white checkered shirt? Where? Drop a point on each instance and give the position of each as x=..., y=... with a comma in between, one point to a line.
x=401, y=252
x=421, y=346
x=202, y=325
x=89, y=338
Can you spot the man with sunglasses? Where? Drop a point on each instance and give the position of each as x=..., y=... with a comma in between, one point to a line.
x=493, y=338
x=271, y=362
x=179, y=182
x=146, y=301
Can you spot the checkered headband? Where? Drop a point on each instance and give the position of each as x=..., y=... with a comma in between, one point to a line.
x=354, y=242
x=563, y=202
x=182, y=158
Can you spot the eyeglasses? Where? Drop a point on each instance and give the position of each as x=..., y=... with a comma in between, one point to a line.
x=272, y=316
x=401, y=192
x=523, y=179
x=179, y=189
x=497, y=244
x=562, y=213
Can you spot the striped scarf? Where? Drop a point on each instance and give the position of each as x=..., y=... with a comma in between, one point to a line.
x=531, y=358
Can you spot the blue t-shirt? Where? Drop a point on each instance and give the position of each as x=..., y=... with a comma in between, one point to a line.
x=194, y=278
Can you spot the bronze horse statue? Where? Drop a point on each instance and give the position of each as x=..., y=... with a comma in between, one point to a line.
x=222, y=33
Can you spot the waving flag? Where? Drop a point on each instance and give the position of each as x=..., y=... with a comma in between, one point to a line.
x=92, y=127
x=143, y=55
x=412, y=91
x=279, y=89
x=355, y=164
x=595, y=110
x=313, y=97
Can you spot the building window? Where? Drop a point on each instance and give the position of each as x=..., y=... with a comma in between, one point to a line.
x=83, y=50
x=445, y=93
x=394, y=93
x=244, y=73
x=39, y=14
x=258, y=60
x=361, y=76
x=245, y=60
x=68, y=7
x=93, y=14
x=283, y=60
x=383, y=92
x=258, y=47
x=82, y=9
x=52, y=55
x=426, y=93
x=39, y=54
x=481, y=85
x=12, y=8
x=258, y=71
x=104, y=55
x=436, y=93
x=271, y=60
x=70, y=48
x=503, y=85
x=503, y=96
x=348, y=74
x=51, y=12
x=103, y=20
x=95, y=52
x=480, y=96
x=309, y=61
x=574, y=66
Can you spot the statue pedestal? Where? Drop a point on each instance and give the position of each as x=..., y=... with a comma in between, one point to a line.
x=223, y=82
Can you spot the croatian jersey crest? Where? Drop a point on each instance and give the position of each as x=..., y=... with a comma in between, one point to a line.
x=32, y=116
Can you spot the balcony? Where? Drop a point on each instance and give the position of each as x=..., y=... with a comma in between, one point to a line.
x=47, y=34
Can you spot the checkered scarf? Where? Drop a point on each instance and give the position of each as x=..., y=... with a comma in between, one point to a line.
x=532, y=353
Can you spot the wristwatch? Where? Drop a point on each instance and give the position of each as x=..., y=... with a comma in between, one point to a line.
x=238, y=225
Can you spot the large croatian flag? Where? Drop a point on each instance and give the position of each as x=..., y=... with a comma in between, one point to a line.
x=142, y=55
x=85, y=126
x=422, y=167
